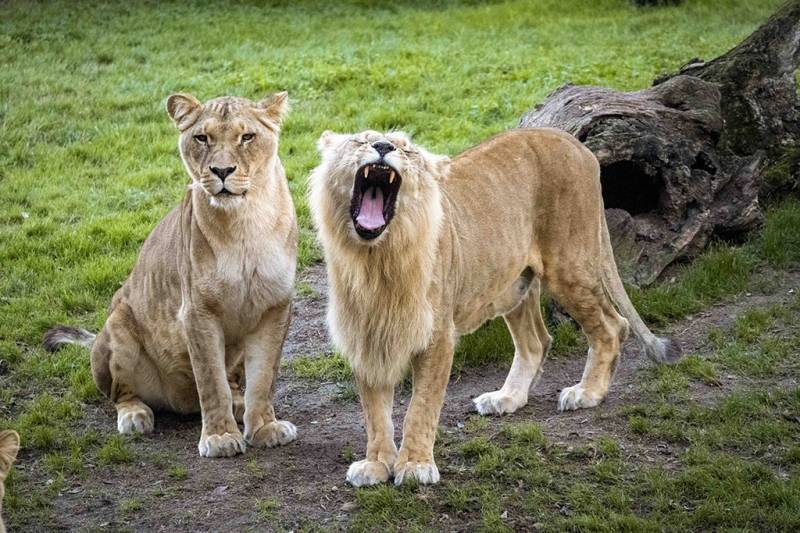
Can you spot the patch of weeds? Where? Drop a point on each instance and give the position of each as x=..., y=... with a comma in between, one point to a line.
x=305, y=290
x=254, y=469
x=567, y=337
x=348, y=453
x=721, y=271
x=331, y=367
x=267, y=508
x=490, y=344
x=130, y=505
x=116, y=450
x=178, y=472
x=476, y=423
x=780, y=238
x=346, y=392
x=750, y=325
x=393, y=508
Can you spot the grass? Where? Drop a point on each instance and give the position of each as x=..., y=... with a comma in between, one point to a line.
x=734, y=451
x=88, y=165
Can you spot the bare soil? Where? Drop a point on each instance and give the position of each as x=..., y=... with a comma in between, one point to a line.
x=306, y=478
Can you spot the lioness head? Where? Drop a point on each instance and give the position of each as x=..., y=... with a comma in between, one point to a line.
x=227, y=143
x=372, y=180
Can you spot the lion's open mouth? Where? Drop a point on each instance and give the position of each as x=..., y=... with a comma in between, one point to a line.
x=374, y=197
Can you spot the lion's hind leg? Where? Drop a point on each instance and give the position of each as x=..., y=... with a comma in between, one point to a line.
x=117, y=356
x=583, y=296
x=531, y=343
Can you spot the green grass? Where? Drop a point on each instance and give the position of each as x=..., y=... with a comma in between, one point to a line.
x=323, y=367
x=88, y=165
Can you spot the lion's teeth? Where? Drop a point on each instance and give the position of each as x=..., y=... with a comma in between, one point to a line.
x=391, y=176
x=366, y=172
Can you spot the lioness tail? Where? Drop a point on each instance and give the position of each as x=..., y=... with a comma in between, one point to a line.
x=59, y=336
x=659, y=349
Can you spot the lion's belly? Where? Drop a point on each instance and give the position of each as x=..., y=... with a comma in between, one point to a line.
x=471, y=313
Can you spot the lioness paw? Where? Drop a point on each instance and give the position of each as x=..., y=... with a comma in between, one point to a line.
x=423, y=472
x=365, y=473
x=225, y=445
x=135, y=419
x=577, y=397
x=275, y=433
x=498, y=403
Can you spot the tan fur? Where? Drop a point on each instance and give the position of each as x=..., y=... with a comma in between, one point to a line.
x=470, y=240
x=9, y=446
x=207, y=303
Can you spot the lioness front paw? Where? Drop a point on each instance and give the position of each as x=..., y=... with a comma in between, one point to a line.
x=578, y=397
x=498, y=403
x=226, y=445
x=275, y=433
x=365, y=473
x=135, y=418
x=425, y=472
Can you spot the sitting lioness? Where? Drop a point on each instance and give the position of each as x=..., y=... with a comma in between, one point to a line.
x=207, y=303
x=9, y=446
x=421, y=250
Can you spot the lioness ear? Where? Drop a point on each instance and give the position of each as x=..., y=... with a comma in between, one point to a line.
x=275, y=107
x=184, y=109
x=9, y=446
x=329, y=139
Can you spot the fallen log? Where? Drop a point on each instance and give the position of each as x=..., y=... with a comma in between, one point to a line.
x=682, y=161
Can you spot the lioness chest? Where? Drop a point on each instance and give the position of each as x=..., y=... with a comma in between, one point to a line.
x=242, y=283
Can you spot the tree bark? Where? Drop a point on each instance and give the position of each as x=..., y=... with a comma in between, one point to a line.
x=682, y=161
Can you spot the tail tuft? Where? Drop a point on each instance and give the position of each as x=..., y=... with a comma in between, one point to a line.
x=59, y=336
x=664, y=350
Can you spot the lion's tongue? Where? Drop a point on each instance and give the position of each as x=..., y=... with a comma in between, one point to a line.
x=370, y=216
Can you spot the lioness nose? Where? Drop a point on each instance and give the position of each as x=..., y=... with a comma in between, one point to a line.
x=223, y=172
x=383, y=148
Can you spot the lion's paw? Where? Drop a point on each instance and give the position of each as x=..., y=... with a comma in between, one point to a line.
x=498, y=403
x=577, y=397
x=135, y=419
x=226, y=445
x=275, y=433
x=424, y=472
x=365, y=473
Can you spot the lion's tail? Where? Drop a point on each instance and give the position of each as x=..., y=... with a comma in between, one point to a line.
x=659, y=349
x=59, y=336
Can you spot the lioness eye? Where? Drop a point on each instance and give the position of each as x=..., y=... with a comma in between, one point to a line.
x=202, y=139
x=248, y=137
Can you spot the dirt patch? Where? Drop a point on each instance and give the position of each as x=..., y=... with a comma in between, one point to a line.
x=304, y=482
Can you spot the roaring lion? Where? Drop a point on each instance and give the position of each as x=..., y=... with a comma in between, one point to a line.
x=208, y=302
x=421, y=250
x=9, y=446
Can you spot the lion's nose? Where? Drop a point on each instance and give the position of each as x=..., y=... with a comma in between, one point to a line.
x=383, y=148
x=222, y=172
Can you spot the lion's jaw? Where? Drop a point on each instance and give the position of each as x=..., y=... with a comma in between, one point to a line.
x=379, y=280
x=383, y=190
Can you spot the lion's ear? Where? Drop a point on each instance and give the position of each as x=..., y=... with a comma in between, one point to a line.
x=329, y=139
x=275, y=107
x=184, y=109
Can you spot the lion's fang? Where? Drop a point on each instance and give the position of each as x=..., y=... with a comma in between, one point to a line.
x=366, y=172
x=391, y=176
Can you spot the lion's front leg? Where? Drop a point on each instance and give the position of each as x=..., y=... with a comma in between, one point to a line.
x=262, y=357
x=431, y=372
x=220, y=436
x=376, y=402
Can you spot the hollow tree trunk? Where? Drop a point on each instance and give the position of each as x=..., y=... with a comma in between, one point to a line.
x=682, y=160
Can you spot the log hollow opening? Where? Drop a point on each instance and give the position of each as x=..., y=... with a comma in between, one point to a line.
x=627, y=186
